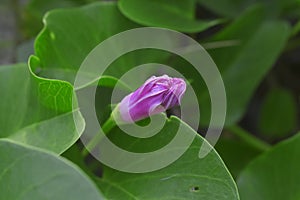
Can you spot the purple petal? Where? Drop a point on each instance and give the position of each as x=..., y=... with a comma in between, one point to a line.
x=156, y=95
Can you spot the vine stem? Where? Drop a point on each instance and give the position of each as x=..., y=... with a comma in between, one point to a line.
x=249, y=138
x=106, y=128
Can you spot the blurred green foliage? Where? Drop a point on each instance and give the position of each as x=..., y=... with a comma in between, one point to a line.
x=256, y=46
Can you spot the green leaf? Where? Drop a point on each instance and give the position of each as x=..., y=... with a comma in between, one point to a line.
x=37, y=111
x=189, y=177
x=34, y=11
x=274, y=175
x=258, y=43
x=178, y=15
x=30, y=174
x=278, y=113
x=84, y=28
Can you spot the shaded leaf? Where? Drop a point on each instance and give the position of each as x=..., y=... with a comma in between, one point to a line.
x=273, y=175
x=278, y=113
x=178, y=15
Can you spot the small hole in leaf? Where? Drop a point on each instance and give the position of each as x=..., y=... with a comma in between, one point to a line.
x=195, y=189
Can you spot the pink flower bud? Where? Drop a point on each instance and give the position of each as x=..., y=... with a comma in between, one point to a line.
x=156, y=95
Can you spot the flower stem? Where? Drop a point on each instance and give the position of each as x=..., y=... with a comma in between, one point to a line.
x=107, y=126
x=249, y=138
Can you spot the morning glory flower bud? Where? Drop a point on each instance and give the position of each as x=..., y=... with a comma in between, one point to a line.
x=156, y=95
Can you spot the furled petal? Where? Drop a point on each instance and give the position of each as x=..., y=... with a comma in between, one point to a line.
x=156, y=95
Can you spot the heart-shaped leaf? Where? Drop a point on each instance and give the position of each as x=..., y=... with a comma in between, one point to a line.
x=34, y=11
x=189, y=177
x=86, y=27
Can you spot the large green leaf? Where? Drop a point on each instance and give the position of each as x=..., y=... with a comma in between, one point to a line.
x=30, y=174
x=84, y=28
x=178, y=15
x=258, y=43
x=273, y=175
x=34, y=11
x=37, y=111
x=70, y=34
x=189, y=177
x=277, y=120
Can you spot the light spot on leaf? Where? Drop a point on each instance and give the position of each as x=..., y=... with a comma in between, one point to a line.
x=52, y=36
